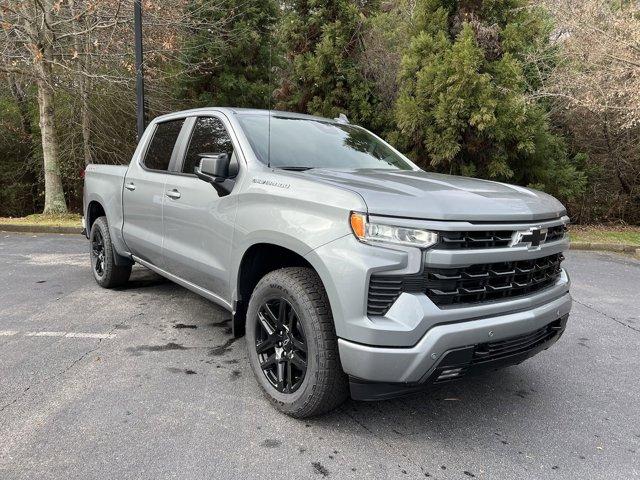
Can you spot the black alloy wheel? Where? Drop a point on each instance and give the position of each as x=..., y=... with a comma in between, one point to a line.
x=97, y=248
x=281, y=345
x=107, y=273
x=292, y=343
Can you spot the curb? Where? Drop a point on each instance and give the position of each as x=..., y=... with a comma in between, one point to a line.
x=606, y=247
x=16, y=227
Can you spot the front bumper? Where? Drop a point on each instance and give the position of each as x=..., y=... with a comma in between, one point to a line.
x=465, y=361
x=416, y=364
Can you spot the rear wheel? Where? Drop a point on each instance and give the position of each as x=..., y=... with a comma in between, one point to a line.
x=103, y=265
x=293, y=349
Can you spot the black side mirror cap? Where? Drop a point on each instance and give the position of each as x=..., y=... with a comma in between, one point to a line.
x=214, y=169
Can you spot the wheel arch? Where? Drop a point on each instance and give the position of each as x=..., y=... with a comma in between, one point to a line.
x=256, y=261
x=94, y=211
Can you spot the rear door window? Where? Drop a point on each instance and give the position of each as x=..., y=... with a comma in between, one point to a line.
x=161, y=147
x=209, y=136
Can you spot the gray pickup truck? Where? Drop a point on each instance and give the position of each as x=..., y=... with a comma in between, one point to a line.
x=349, y=269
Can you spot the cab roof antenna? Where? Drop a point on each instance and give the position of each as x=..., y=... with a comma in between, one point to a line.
x=342, y=118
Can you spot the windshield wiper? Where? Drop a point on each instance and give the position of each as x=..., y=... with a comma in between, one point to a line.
x=295, y=168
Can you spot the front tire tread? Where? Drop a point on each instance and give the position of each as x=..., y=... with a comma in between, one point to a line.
x=329, y=387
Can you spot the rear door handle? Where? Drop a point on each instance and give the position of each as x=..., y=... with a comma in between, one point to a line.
x=130, y=186
x=175, y=194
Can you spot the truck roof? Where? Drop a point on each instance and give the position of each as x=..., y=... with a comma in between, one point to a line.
x=243, y=111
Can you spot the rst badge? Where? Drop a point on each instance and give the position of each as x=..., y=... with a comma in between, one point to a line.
x=532, y=238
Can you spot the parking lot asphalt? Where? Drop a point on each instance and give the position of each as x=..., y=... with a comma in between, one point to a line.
x=147, y=382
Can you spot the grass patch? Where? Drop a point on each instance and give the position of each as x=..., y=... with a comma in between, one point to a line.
x=63, y=220
x=605, y=234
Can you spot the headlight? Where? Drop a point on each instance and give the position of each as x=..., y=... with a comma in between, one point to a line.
x=369, y=232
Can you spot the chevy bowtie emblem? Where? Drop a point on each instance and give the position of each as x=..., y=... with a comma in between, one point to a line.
x=531, y=238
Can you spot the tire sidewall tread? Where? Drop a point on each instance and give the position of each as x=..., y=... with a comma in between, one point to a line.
x=325, y=384
x=114, y=275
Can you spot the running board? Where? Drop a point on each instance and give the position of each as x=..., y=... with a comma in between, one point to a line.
x=186, y=284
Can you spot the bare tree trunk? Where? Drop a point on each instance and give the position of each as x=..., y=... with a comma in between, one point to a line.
x=54, y=201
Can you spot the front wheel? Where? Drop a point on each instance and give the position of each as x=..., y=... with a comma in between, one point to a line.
x=103, y=265
x=292, y=344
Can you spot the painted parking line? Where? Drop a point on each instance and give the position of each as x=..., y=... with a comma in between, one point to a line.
x=89, y=335
x=45, y=334
x=60, y=334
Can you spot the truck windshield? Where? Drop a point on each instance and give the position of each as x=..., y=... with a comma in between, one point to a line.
x=300, y=143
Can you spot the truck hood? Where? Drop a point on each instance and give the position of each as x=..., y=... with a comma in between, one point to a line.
x=433, y=196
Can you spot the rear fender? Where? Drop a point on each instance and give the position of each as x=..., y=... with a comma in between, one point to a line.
x=113, y=212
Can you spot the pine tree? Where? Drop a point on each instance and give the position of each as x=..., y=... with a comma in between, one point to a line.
x=464, y=104
x=231, y=64
x=322, y=41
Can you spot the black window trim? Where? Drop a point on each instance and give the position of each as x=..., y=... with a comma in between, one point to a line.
x=174, y=152
x=186, y=139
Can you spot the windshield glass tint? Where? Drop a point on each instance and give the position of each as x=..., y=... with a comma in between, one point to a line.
x=310, y=143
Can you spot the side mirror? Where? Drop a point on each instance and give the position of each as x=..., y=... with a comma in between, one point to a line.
x=214, y=165
x=214, y=169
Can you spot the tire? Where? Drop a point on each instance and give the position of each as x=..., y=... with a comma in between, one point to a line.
x=323, y=386
x=103, y=265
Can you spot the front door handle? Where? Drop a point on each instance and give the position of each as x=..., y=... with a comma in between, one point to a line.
x=175, y=194
x=130, y=186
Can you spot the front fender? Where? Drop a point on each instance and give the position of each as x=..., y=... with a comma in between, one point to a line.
x=262, y=237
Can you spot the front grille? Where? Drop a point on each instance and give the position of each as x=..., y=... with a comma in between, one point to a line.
x=489, y=239
x=467, y=285
x=556, y=233
x=466, y=240
x=488, y=352
x=491, y=281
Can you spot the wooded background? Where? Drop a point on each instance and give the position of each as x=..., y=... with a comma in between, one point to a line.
x=542, y=93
